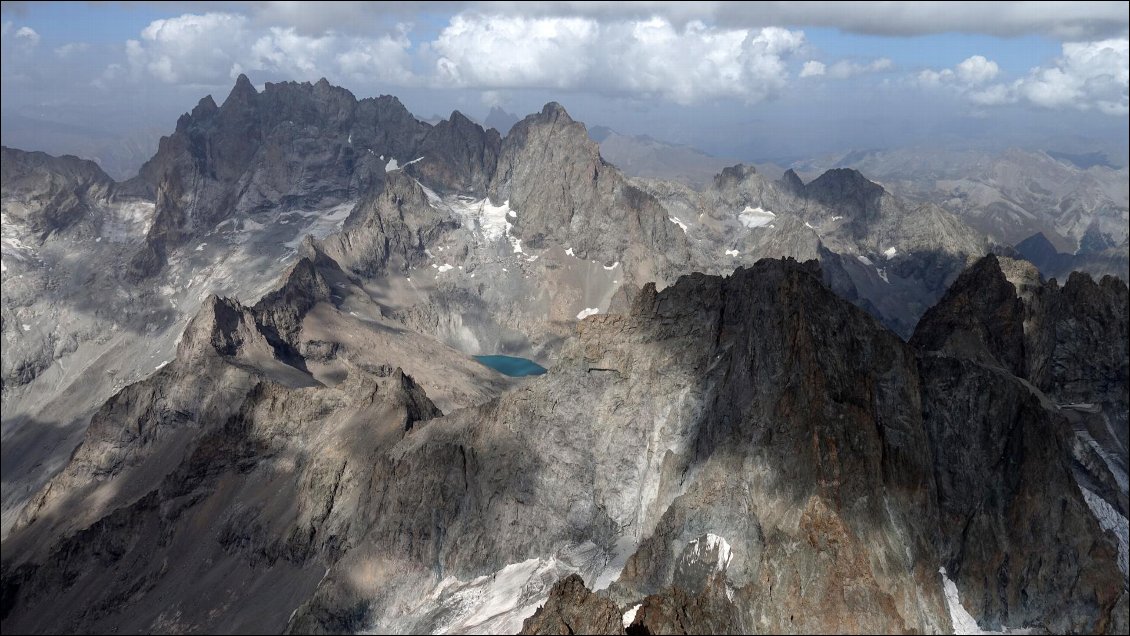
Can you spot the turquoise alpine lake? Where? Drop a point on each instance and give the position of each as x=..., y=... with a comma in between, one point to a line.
x=511, y=366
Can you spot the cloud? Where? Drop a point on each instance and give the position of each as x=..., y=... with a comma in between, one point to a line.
x=504, y=52
x=1088, y=76
x=71, y=48
x=649, y=57
x=844, y=69
x=1078, y=21
x=27, y=36
x=812, y=68
x=213, y=48
x=1066, y=20
x=976, y=70
x=190, y=49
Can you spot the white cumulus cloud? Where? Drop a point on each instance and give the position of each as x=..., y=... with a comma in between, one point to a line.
x=1087, y=76
x=213, y=48
x=844, y=69
x=977, y=70
x=651, y=57
x=27, y=36
x=812, y=68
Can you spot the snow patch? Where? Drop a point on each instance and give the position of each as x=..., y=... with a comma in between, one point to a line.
x=863, y=259
x=26, y=327
x=612, y=266
x=433, y=198
x=883, y=275
x=445, y=268
x=630, y=615
x=508, y=596
x=678, y=222
x=712, y=543
x=1116, y=471
x=731, y=252
x=200, y=248
x=808, y=225
x=588, y=311
x=160, y=366
x=128, y=222
x=890, y=252
x=1113, y=522
x=488, y=220
x=393, y=165
x=963, y=621
x=755, y=217
x=569, y=252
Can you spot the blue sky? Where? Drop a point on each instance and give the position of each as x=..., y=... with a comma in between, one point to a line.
x=755, y=81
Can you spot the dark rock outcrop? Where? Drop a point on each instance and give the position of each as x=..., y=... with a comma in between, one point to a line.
x=1009, y=461
x=53, y=193
x=295, y=145
x=573, y=609
x=458, y=155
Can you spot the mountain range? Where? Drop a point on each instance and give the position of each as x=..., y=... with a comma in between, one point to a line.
x=239, y=391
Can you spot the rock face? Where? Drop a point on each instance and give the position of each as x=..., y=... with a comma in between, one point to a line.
x=296, y=145
x=100, y=278
x=553, y=176
x=1081, y=207
x=1103, y=258
x=1070, y=342
x=573, y=609
x=890, y=256
x=708, y=453
x=242, y=464
x=50, y=194
x=1053, y=364
x=470, y=493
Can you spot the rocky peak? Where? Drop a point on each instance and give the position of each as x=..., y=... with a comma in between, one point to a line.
x=56, y=192
x=1069, y=342
x=555, y=112
x=1036, y=244
x=792, y=183
x=572, y=608
x=388, y=230
x=402, y=391
x=458, y=155
x=554, y=178
x=205, y=108
x=981, y=317
x=732, y=176
x=500, y=120
x=842, y=187
x=222, y=325
x=242, y=94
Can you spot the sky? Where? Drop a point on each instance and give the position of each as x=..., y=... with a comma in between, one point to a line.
x=761, y=81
